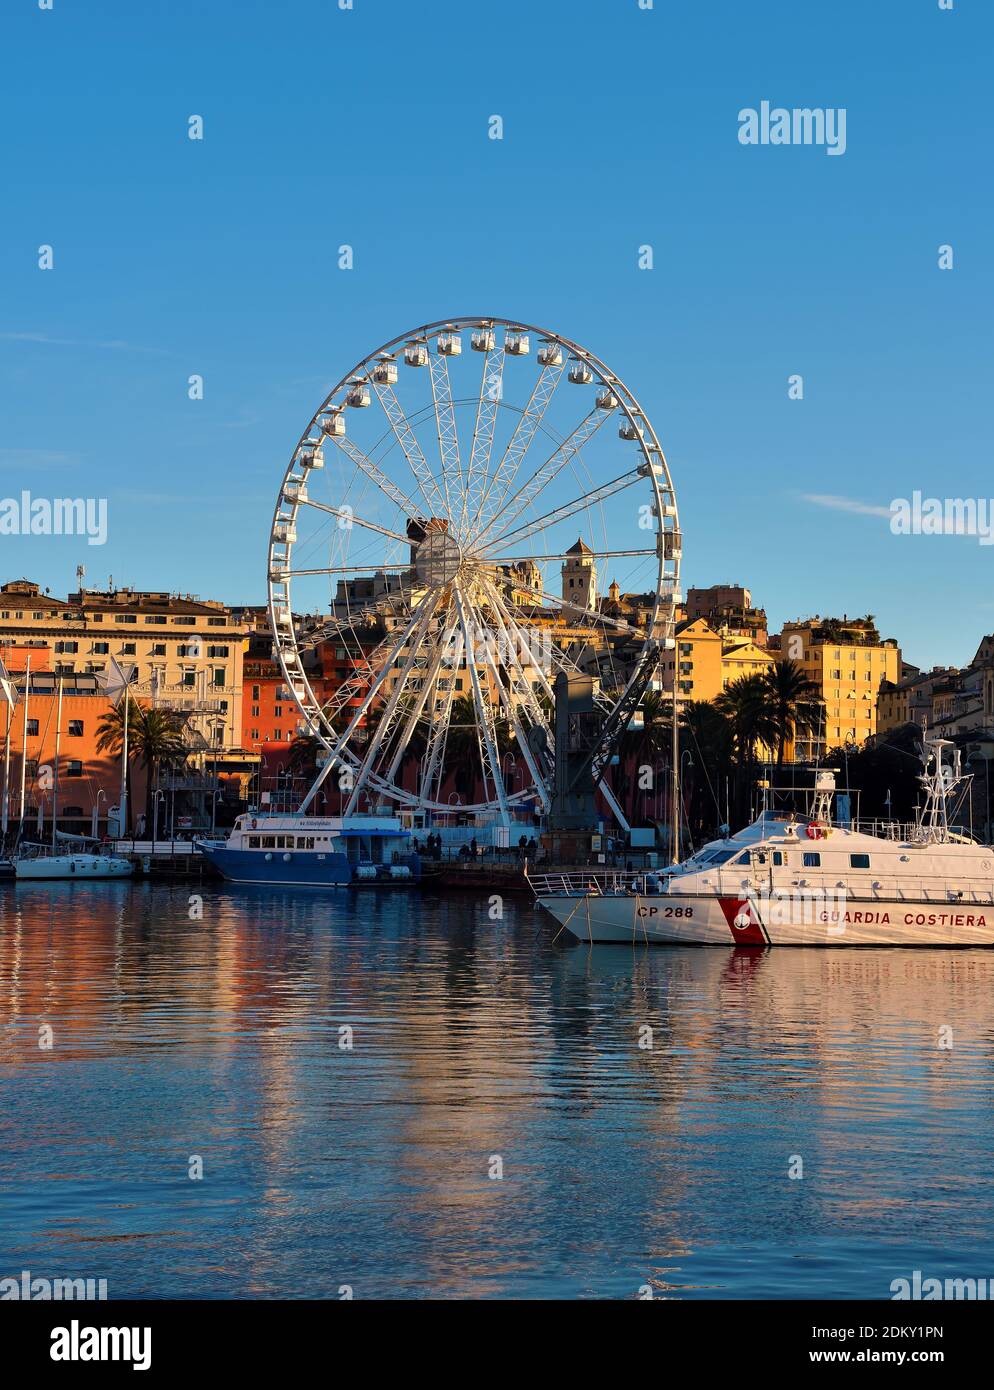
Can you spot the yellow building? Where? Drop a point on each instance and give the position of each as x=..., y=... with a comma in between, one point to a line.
x=188, y=652
x=848, y=663
x=694, y=662
x=742, y=657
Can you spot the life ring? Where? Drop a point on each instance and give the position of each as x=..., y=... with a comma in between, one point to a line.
x=817, y=831
x=255, y=825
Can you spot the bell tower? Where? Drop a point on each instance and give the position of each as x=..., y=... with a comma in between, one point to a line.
x=580, y=577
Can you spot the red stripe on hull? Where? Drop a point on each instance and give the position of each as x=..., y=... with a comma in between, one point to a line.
x=743, y=922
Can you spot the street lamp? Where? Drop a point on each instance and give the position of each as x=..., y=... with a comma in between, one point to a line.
x=159, y=796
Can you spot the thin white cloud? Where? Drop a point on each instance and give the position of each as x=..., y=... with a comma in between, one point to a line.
x=108, y=344
x=36, y=458
x=845, y=504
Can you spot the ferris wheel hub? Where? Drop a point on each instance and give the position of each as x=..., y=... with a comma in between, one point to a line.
x=437, y=560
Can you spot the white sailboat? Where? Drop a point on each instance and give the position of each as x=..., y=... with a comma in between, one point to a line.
x=39, y=861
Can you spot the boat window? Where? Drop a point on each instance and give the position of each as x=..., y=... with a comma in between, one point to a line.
x=305, y=841
x=778, y=858
x=859, y=861
x=723, y=856
x=269, y=842
x=812, y=860
x=760, y=856
x=253, y=841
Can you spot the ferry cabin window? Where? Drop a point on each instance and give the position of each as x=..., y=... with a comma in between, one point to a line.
x=778, y=858
x=269, y=842
x=859, y=861
x=812, y=860
x=253, y=842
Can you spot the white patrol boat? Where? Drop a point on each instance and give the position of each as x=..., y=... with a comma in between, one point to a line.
x=789, y=881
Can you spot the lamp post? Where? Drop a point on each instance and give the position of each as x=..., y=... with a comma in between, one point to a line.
x=95, y=815
x=159, y=796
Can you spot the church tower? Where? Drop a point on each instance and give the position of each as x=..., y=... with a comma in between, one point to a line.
x=580, y=577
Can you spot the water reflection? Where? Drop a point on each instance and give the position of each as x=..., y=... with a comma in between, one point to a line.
x=646, y=1105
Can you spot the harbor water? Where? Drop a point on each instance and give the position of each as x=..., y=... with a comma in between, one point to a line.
x=211, y=1093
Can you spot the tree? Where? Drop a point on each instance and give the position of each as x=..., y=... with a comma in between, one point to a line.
x=793, y=704
x=155, y=737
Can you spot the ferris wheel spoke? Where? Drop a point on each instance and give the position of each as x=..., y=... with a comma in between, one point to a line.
x=349, y=622
x=448, y=436
x=491, y=391
x=566, y=555
x=485, y=717
x=341, y=743
x=410, y=662
x=552, y=466
x=349, y=517
x=520, y=645
x=507, y=700
x=428, y=688
x=568, y=509
x=410, y=447
x=524, y=432
x=376, y=475
x=354, y=684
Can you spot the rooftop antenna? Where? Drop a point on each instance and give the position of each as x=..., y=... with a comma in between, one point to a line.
x=80, y=576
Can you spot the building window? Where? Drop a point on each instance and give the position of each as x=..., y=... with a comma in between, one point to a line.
x=156, y=618
x=158, y=648
x=71, y=647
x=256, y=693
x=219, y=677
x=256, y=710
x=75, y=728
x=128, y=648
x=217, y=622
x=216, y=652
x=189, y=677
x=125, y=618
x=277, y=711
x=101, y=648
x=32, y=728
x=74, y=768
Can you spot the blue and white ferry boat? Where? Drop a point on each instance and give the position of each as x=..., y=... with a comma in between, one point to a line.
x=315, y=851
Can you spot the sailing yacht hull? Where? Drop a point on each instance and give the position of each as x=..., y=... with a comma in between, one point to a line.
x=73, y=866
x=702, y=920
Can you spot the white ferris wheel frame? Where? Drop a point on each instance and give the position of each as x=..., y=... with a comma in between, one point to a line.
x=476, y=485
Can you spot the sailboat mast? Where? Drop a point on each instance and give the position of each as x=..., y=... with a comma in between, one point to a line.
x=55, y=777
x=124, y=767
x=24, y=744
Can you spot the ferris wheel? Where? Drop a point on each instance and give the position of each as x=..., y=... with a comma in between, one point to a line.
x=444, y=535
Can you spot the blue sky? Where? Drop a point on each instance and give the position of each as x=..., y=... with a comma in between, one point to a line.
x=369, y=126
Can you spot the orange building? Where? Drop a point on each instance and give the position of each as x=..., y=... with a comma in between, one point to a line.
x=65, y=773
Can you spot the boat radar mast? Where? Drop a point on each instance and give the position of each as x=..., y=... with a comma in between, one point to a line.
x=939, y=780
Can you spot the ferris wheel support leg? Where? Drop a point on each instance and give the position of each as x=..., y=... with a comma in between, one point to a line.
x=367, y=700
x=615, y=806
x=427, y=689
x=526, y=752
x=484, y=713
x=392, y=703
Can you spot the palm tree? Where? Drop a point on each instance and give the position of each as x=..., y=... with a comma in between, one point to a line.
x=155, y=737
x=793, y=704
x=744, y=702
x=707, y=734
